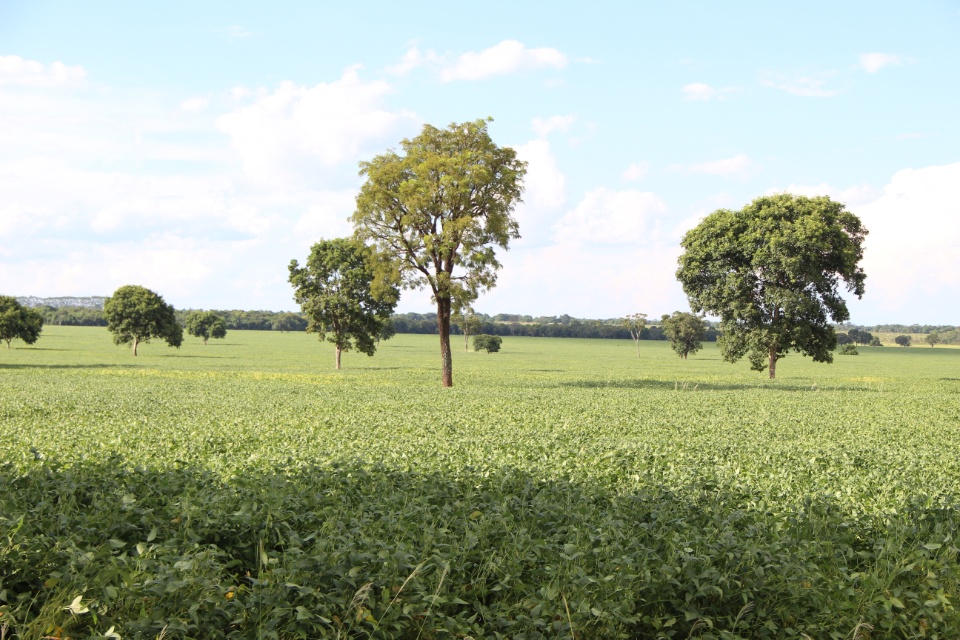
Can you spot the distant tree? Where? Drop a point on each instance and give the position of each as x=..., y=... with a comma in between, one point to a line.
x=19, y=322
x=635, y=324
x=875, y=342
x=289, y=322
x=845, y=338
x=771, y=271
x=490, y=344
x=136, y=314
x=345, y=293
x=685, y=331
x=439, y=210
x=933, y=338
x=206, y=325
x=902, y=340
x=849, y=349
x=469, y=324
x=860, y=337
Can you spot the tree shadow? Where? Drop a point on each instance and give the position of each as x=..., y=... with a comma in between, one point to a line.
x=695, y=385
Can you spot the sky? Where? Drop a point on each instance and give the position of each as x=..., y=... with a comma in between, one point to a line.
x=197, y=148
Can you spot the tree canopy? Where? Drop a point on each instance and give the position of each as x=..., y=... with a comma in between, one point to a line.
x=136, y=314
x=635, y=324
x=206, y=325
x=18, y=322
x=469, y=324
x=772, y=273
x=685, y=331
x=438, y=211
x=346, y=294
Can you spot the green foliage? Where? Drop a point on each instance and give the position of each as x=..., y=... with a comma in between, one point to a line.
x=206, y=325
x=771, y=271
x=875, y=342
x=240, y=493
x=685, y=331
x=18, y=322
x=136, y=314
x=849, y=349
x=345, y=293
x=903, y=340
x=932, y=338
x=490, y=344
x=861, y=337
x=468, y=323
x=439, y=210
x=289, y=322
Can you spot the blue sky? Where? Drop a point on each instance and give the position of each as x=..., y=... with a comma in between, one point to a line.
x=197, y=148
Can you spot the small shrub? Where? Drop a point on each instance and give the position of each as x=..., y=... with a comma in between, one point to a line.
x=490, y=344
x=849, y=349
x=875, y=342
x=903, y=341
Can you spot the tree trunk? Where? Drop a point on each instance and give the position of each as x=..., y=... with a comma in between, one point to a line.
x=338, y=358
x=136, y=341
x=773, y=361
x=204, y=341
x=466, y=338
x=443, y=326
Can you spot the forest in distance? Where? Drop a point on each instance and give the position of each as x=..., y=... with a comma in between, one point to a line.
x=88, y=311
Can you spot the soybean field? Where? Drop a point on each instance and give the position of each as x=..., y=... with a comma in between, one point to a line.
x=563, y=488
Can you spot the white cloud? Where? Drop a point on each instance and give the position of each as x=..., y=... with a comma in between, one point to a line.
x=544, y=192
x=545, y=126
x=635, y=171
x=236, y=31
x=15, y=70
x=700, y=92
x=327, y=217
x=195, y=104
x=738, y=166
x=507, y=57
x=873, y=62
x=612, y=217
x=287, y=134
x=801, y=84
x=852, y=196
x=413, y=59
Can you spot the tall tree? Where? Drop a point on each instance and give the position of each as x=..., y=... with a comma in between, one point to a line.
x=136, y=314
x=772, y=273
x=346, y=294
x=469, y=324
x=18, y=321
x=933, y=338
x=206, y=325
x=685, y=331
x=438, y=211
x=635, y=324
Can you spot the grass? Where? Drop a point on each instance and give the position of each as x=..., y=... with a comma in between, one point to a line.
x=563, y=488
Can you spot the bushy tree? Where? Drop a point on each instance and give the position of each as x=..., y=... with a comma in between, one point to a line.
x=439, y=210
x=206, y=325
x=635, y=324
x=18, y=322
x=346, y=293
x=933, y=338
x=490, y=344
x=875, y=342
x=849, y=349
x=685, y=331
x=136, y=314
x=772, y=273
x=903, y=341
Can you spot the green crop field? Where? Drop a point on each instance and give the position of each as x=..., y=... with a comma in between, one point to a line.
x=562, y=488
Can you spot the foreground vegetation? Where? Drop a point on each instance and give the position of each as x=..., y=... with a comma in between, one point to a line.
x=565, y=488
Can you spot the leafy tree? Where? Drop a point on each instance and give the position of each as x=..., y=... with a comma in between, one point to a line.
x=438, y=211
x=206, y=325
x=469, y=324
x=490, y=344
x=19, y=322
x=849, y=349
x=933, y=338
x=686, y=332
x=903, y=341
x=861, y=337
x=289, y=322
x=845, y=338
x=771, y=272
x=344, y=292
x=635, y=324
x=875, y=342
x=136, y=314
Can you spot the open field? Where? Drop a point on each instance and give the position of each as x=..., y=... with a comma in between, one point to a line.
x=562, y=488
